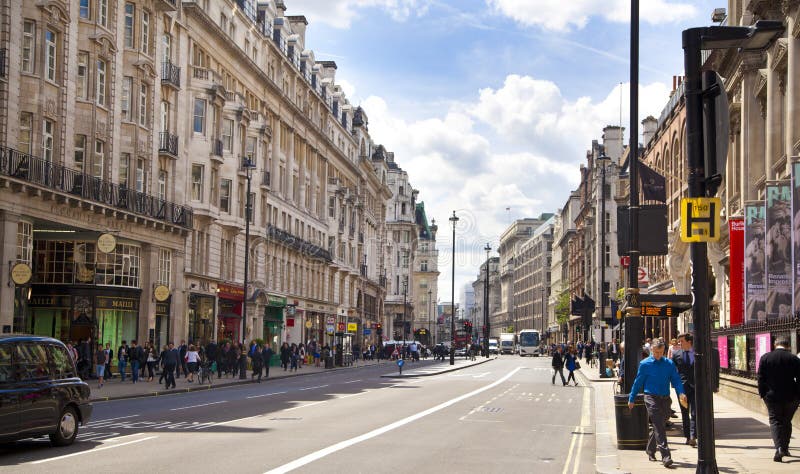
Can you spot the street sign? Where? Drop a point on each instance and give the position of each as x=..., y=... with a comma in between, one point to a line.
x=643, y=277
x=367, y=332
x=625, y=261
x=400, y=363
x=700, y=219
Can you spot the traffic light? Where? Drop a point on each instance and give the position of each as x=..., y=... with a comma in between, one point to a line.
x=380, y=329
x=466, y=326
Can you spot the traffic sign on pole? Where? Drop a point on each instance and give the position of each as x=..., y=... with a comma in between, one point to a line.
x=700, y=219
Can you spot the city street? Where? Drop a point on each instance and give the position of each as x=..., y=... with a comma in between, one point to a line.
x=499, y=416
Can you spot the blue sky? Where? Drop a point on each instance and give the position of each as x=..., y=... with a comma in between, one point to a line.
x=491, y=104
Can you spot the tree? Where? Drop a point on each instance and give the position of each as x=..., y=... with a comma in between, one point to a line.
x=562, y=308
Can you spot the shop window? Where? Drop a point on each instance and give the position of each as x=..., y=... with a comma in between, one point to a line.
x=24, y=242
x=164, y=266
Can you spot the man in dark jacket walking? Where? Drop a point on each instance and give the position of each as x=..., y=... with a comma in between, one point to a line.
x=170, y=363
x=779, y=387
x=182, y=350
x=558, y=365
x=135, y=354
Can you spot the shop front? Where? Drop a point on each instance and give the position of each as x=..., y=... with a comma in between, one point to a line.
x=162, y=331
x=273, y=321
x=231, y=299
x=201, y=318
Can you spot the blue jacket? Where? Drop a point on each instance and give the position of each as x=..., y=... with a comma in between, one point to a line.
x=570, y=359
x=654, y=377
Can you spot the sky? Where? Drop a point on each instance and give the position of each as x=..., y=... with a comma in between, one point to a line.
x=490, y=105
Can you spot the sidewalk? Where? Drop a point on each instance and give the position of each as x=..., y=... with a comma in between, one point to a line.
x=743, y=442
x=114, y=389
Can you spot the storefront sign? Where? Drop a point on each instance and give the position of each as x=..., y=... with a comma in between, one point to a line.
x=722, y=347
x=21, y=273
x=230, y=292
x=289, y=322
x=273, y=300
x=763, y=344
x=308, y=324
x=162, y=309
x=106, y=243
x=736, y=302
x=352, y=327
x=341, y=327
x=123, y=304
x=161, y=293
x=50, y=301
x=330, y=319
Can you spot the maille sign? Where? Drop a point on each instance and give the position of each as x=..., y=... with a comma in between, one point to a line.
x=124, y=304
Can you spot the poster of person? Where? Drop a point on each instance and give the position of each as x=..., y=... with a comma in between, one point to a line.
x=740, y=347
x=778, y=242
x=754, y=255
x=722, y=347
x=796, y=236
x=763, y=345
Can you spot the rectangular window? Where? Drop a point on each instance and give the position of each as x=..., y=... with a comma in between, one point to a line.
x=83, y=74
x=162, y=185
x=223, y=22
x=130, y=14
x=197, y=182
x=127, y=86
x=225, y=195
x=164, y=116
x=199, y=116
x=25, y=132
x=145, y=40
x=227, y=134
x=28, y=46
x=101, y=82
x=48, y=130
x=141, y=183
x=99, y=159
x=143, y=105
x=250, y=151
x=166, y=48
x=124, y=166
x=80, y=152
x=50, y=55
x=102, y=12
x=164, y=266
x=83, y=9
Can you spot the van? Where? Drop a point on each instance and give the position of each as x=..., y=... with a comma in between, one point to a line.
x=40, y=392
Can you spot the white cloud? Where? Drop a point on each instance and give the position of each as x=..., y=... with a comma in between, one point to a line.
x=560, y=15
x=341, y=13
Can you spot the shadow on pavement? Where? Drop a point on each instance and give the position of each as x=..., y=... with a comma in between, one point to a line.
x=740, y=428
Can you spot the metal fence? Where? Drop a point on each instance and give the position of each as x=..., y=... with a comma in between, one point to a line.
x=747, y=368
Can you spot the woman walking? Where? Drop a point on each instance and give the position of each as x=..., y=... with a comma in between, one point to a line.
x=152, y=358
x=100, y=360
x=293, y=354
x=571, y=364
x=192, y=358
x=301, y=355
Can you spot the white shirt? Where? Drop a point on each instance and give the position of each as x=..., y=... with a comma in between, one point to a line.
x=192, y=356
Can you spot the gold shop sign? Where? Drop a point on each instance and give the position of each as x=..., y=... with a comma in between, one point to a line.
x=161, y=292
x=21, y=273
x=106, y=243
x=125, y=304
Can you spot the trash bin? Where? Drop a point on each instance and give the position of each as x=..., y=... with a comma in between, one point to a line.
x=631, y=424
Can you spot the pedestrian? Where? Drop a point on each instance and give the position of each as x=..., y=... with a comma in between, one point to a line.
x=293, y=357
x=779, y=387
x=182, y=350
x=109, y=356
x=414, y=350
x=301, y=355
x=673, y=346
x=571, y=364
x=316, y=354
x=122, y=359
x=191, y=359
x=135, y=354
x=683, y=358
x=100, y=361
x=257, y=362
x=152, y=359
x=143, y=359
x=266, y=358
x=170, y=361
x=613, y=350
x=655, y=375
x=161, y=358
x=285, y=356
x=558, y=365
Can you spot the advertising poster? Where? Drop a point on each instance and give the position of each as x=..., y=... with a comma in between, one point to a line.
x=754, y=285
x=740, y=348
x=778, y=243
x=736, y=300
x=763, y=344
x=722, y=347
x=796, y=236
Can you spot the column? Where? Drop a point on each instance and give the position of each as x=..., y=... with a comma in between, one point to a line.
x=8, y=256
x=792, y=83
x=752, y=155
x=773, y=145
x=147, y=303
x=178, y=302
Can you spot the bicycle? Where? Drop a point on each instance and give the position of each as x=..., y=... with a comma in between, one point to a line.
x=204, y=373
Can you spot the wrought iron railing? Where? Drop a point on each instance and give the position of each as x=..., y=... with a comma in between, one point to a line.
x=170, y=74
x=216, y=147
x=265, y=179
x=3, y=62
x=168, y=143
x=746, y=367
x=31, y=169
x=307, y=249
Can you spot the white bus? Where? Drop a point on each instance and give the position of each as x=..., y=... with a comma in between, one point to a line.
x=529, y=343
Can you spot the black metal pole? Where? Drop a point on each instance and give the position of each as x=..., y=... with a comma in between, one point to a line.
x=454, y=220
x=486, y=327
x=602, y=159
x=247, y=209
x=405, y=293
x=706, y=458
x=633, y=323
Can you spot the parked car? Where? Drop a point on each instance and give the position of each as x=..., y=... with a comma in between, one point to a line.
x=40, y=392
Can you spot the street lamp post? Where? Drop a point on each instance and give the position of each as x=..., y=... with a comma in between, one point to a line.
x=602, y=159
x=248, y=166
x=486, y=304
x=430, y=313
x=454, y=220
x=405, y=293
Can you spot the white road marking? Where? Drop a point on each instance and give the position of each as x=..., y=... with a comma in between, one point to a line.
x=266, y=395
x=354, y=381
x=304, y=406
x=197, y=406
x=311, y=388
x=97, y=422
x=578, y=435
x=309, y=458
x=352, y=395
x=41, y=461
x=569, y=453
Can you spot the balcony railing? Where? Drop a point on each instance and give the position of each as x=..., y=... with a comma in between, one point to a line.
x=170, y=74
x=341, y=226
x=307, y=249
x=382, y=281
x=3, y=62
x=168, y=143
x=200, y=73
x=59, y=178
x=265, y=179
x=360, y=237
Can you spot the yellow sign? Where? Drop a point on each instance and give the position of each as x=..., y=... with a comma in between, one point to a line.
x=352, y=327
x=21, y=273
x=308, y=324
x=700, y=219
x=106, y=243
x=161, y=293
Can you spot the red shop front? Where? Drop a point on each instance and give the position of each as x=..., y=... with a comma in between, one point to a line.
x=231, y=298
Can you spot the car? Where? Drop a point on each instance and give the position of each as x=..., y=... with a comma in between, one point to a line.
x=461, y=352
x=40, y=392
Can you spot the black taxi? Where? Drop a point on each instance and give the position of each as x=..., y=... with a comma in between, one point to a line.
x=40, y=392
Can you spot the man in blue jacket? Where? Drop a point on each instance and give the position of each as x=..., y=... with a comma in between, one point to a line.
x=655, y=375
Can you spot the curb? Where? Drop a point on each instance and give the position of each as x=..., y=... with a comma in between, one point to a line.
x=606, y=458
x=198, y=388
x=444, y=371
